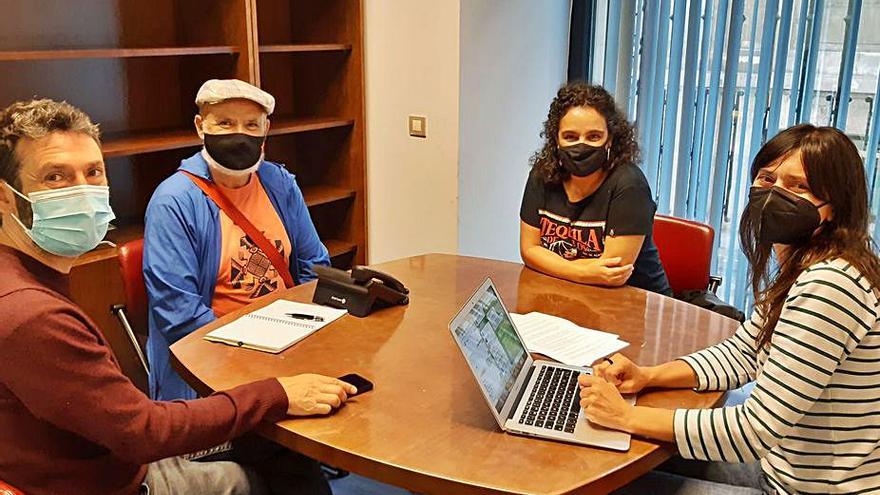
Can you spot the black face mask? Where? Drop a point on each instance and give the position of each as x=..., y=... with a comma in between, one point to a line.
x=234, y=151
x=582, y=159
x=781, y=217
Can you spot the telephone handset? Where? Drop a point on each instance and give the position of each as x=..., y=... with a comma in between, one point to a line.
x=359, y=292
x=362, y=275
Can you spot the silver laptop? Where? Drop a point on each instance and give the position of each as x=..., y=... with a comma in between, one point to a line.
x=536, y=398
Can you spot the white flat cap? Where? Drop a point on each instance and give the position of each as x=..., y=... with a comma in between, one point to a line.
x=217, y=90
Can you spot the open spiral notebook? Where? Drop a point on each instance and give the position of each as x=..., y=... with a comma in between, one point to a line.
x=272, y=329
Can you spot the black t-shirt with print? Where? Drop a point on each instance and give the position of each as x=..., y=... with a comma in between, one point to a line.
x=622, y=205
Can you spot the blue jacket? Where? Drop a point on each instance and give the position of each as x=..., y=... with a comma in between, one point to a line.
x=182, y=257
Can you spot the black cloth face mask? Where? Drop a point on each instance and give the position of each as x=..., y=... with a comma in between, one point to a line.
x=235, y=151
x=781, y=217
x=582, y=159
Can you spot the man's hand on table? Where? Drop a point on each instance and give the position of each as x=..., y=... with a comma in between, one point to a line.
x=310, y=394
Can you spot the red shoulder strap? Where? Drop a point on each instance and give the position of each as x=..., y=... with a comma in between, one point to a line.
x=249, y=229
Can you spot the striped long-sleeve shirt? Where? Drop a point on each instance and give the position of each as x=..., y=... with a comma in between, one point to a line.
x=813, y=418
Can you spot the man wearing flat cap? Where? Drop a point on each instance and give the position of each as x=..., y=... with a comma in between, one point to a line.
x=226, y=229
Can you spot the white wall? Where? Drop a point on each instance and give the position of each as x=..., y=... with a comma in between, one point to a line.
x=514, y=56
x=411, y=60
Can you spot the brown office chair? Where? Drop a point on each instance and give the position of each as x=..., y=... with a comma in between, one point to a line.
x=685, y=250
x=133, y=314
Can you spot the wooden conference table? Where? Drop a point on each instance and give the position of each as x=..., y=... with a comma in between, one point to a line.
x=426, y=427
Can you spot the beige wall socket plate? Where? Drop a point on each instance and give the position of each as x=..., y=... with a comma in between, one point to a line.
x=417, y=126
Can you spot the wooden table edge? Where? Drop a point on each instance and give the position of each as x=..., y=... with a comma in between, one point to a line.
x=419, y=481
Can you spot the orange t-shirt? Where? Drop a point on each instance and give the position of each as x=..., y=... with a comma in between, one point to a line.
x=245, y=272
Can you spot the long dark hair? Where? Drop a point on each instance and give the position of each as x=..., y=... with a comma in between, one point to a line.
x=835, y=173
x=624, y=149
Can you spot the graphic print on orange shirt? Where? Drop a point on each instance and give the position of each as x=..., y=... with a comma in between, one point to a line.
x=245, y=273
x=571, y=240
x=252, y=271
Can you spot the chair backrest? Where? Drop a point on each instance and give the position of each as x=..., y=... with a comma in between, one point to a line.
x=685, y=250
x=131, y=265
x=8, y=490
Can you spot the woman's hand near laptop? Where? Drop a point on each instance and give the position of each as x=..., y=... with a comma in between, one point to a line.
x=630, y=378
x=604, y=405
x=310, y=394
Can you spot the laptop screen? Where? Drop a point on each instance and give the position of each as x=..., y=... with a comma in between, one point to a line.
x=491, y=346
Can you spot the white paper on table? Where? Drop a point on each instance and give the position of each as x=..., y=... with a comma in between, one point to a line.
x=564, y=340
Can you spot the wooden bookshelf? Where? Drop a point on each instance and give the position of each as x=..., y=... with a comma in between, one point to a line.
x=322, y=75
x=306, y=48
x=135, y=67
x=321, y=195
x=149, y=142
x=6, y=56
x=338, y=248
x=295, y=125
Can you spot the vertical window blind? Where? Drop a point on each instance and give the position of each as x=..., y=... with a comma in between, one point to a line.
x=709, y=81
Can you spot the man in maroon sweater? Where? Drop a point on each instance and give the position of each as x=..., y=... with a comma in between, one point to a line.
x=70, y=421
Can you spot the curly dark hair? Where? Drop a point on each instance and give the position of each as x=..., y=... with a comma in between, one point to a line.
x=624, y=148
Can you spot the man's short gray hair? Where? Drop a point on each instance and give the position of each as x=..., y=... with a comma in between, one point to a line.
x=33, y=120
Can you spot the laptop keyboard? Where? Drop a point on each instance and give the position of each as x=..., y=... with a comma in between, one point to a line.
x=554, y=403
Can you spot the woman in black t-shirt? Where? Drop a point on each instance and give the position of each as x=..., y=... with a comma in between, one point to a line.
x=587, y=213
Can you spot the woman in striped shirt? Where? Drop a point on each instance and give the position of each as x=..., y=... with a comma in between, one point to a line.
x=812, y=345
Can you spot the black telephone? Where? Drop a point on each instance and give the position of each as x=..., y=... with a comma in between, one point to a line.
x=359, y=292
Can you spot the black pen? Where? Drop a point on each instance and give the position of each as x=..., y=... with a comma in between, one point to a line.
x=303, y=316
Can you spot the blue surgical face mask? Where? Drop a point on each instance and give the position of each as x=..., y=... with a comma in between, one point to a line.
x=68, y=221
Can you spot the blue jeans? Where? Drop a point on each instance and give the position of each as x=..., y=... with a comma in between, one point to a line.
x=684, y=477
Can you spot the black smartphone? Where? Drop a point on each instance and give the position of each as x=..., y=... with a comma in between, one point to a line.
x=362, y=384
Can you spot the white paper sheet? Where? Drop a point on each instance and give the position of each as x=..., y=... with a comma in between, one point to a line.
x=563, y=340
